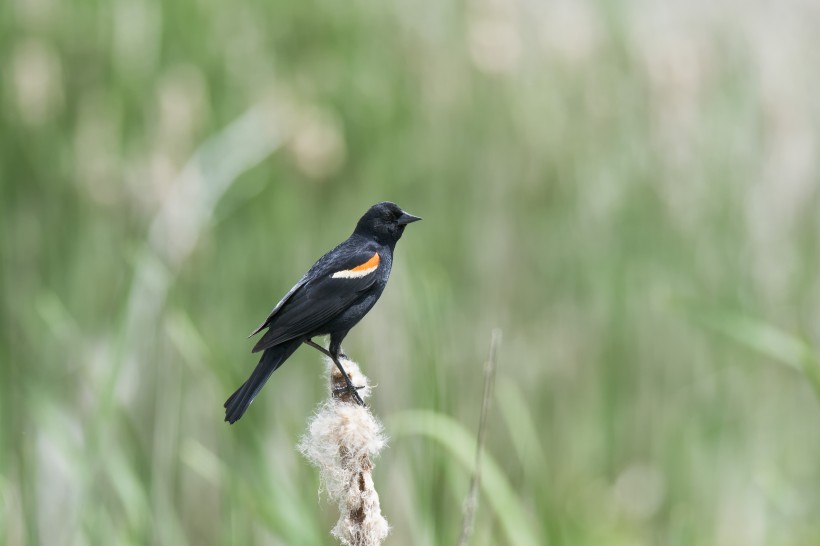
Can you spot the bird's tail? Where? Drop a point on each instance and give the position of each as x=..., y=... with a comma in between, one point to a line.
x=272, y=358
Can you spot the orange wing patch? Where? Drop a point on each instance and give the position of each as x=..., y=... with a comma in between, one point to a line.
x=360, y=270
x=369, y=264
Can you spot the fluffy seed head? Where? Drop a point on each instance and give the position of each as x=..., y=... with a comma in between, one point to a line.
x=341, y=441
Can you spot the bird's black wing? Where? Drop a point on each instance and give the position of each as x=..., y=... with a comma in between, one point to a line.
x=329, y=288
x=279, y=305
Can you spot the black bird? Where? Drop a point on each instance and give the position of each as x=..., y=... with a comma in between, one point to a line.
x=331, y=298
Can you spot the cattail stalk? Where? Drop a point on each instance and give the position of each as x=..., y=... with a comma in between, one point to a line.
x=342, y=440
x=471, y=502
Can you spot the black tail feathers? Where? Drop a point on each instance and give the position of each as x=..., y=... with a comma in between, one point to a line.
x=272, y=358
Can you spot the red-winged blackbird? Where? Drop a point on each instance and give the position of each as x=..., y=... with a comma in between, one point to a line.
x=331, y=298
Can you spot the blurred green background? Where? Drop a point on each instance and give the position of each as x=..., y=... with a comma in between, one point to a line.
x=629, y=190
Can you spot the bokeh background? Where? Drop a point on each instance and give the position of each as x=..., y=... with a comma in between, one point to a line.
x=628, y=190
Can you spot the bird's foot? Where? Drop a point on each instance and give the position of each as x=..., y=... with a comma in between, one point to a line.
x=350, y=390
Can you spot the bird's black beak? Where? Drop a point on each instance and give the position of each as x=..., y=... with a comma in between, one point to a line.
x=407, y=218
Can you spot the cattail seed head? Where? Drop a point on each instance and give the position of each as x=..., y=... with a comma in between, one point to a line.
x=341, y=441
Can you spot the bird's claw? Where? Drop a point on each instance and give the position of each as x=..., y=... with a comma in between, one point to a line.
x=352, y=391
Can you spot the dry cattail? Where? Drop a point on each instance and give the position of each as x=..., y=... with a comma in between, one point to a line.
x=342, y=440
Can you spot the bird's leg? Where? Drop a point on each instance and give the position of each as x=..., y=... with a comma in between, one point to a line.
x=350, y=388
x=335, y=349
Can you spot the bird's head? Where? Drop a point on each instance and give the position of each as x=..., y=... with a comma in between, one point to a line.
x=385, y=222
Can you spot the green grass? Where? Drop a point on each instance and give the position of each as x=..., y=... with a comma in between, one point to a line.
x=581, y=175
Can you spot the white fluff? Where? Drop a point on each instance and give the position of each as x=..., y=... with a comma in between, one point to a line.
x=341, y=441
